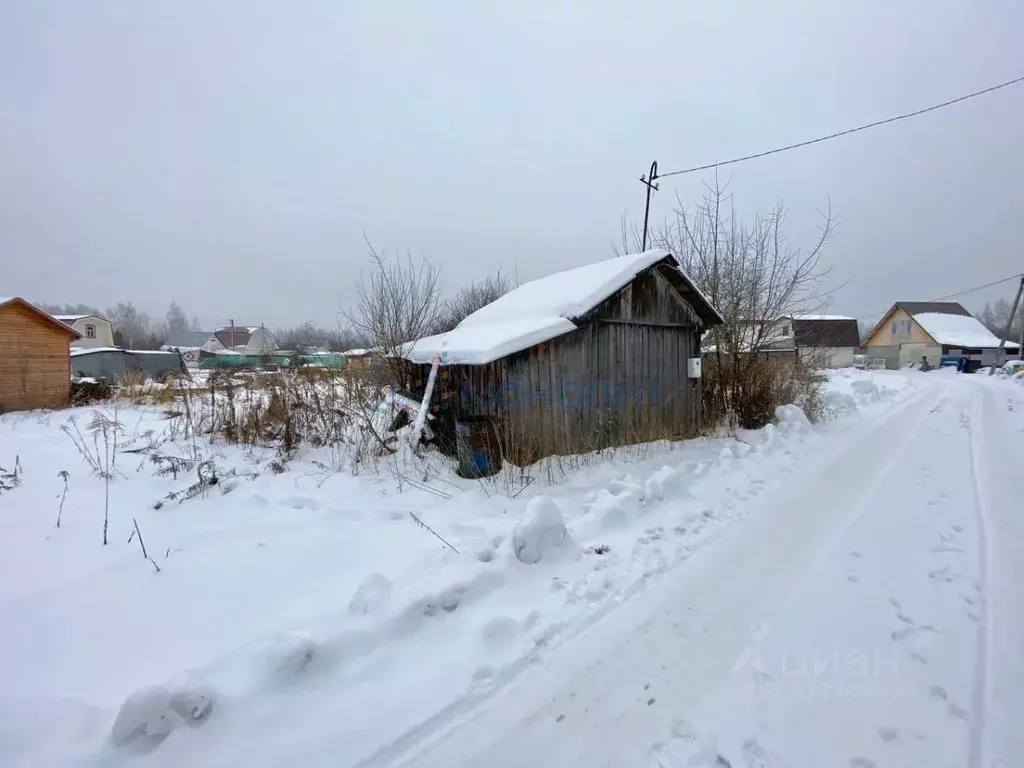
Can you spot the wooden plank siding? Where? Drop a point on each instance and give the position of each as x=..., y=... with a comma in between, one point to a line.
x=619, y=379
x=35, y=365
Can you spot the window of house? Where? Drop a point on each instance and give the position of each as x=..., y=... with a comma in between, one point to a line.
x=785, y=330
x=90, y=331
x=900, y=327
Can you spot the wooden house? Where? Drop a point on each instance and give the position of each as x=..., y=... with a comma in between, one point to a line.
x=35, y=362
x=602, y=355
x=912, y=331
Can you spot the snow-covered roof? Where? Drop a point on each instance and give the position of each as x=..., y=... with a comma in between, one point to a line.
x=77, y=351
x=188, y=339
x=962, y=331
x=72, y=318
x=535, y=312
x=481, y=344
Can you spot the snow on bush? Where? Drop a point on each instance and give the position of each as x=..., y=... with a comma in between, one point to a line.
x=840, y=403
x=149, y=714
x=290, y=657
x=540, y=533
x=792, y=415
x=373, y=595
x=145, y=718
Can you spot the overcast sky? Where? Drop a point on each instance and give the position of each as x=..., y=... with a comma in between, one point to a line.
x=230, y=155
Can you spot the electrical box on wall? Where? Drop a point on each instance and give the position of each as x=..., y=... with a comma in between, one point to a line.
x=693, y=368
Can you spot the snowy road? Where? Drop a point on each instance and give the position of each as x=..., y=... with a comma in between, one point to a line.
x=870, y=615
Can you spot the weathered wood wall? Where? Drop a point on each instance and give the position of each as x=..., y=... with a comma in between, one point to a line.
x=35, y=365
x=619, y=379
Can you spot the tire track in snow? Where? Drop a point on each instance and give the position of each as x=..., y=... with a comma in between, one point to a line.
x=472, y=728
x=981, y=699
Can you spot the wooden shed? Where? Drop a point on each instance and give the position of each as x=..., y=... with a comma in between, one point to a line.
x=35, y=364
x=584, y=359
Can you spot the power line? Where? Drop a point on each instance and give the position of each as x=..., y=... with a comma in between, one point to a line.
x=847, y=132
x=953, y=295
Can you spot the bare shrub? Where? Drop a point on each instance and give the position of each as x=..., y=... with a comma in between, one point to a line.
x=398, y=301
x=471, y=298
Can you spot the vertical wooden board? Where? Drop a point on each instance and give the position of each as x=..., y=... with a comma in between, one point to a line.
x=544, y=379
x=574, y=410
x=624, y=376
x=640, y=385
x=555, y=368
x=603, y=347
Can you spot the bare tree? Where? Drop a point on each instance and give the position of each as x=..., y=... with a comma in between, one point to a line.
x=399, y=301
x=995, y=315
x=177, y=320
x=754, y=276
x=473, y=297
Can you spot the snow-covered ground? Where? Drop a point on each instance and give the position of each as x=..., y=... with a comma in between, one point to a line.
x=839, y=594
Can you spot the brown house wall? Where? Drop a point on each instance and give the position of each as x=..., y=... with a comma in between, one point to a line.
x=35, y=367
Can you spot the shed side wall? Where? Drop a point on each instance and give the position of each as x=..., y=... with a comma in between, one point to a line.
x=34, y=361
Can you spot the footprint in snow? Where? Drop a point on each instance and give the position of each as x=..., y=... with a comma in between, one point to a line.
x=956, y=711
x=900, y=635
x=941, y=575
x=754, y=756
x=888, y=734
x=862, y=762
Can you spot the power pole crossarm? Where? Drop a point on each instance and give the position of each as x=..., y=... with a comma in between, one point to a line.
x=651, y=186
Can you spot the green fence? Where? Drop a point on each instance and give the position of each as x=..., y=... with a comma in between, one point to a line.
x=216, y=362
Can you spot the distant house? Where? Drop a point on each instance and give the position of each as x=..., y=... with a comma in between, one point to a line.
x=822, y=341
x=601, y=355
x=35, y=364
x=190, y=344
x=912, y=330
x=93, y=330
x=246, y=340
x=358, y=359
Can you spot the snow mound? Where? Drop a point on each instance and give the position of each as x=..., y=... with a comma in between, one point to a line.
x=865, y=391
x=540, y=533
x=841, y=403
x=290, y=658
x=373, y=595
x=793, y=416
x=145, y=718
x=149, y=714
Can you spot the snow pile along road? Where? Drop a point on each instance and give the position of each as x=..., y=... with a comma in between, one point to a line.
x=318, y=618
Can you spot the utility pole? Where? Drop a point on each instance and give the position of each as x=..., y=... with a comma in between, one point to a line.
x=232, y=321
x=649, y=183
x=1009, y=326
x=1020, y=348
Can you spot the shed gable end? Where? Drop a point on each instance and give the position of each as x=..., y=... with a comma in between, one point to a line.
x=649, y=299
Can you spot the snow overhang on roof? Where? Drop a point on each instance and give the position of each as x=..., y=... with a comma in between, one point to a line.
x=549, y=307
